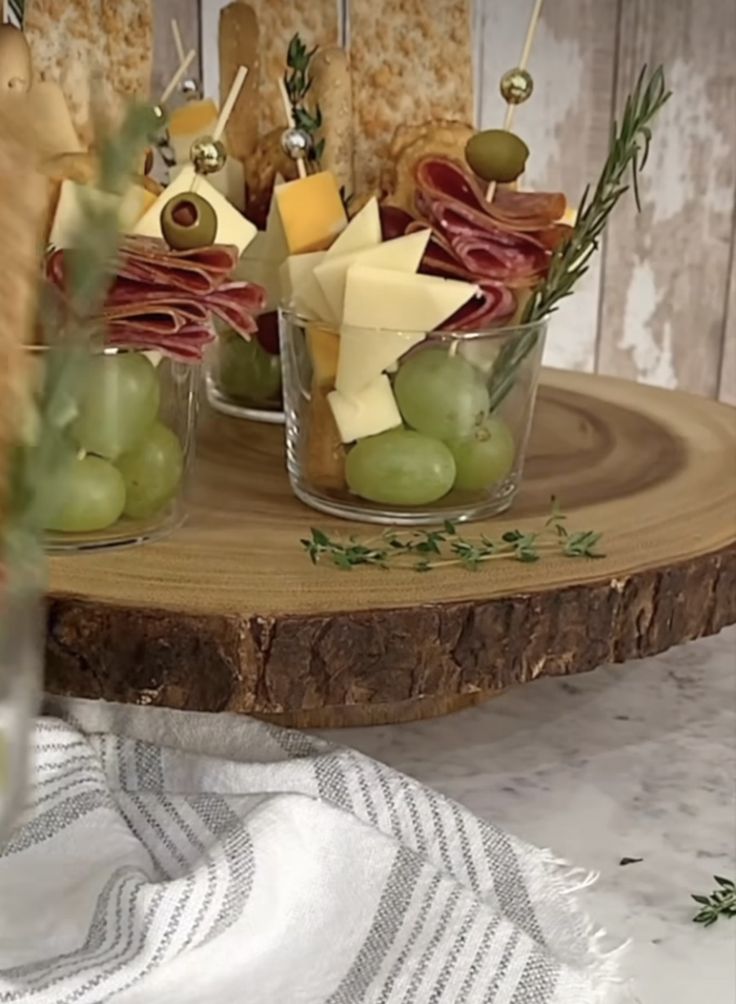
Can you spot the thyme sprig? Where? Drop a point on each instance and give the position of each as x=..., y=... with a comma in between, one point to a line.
x=426, y=550
x=298, y=81
x=628, y=152
x=721, y=903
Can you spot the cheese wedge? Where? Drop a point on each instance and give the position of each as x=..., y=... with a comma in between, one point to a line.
x=189, y=122
x=363, y=231
x=379, y=298
x=301, y=290
x=311, y=210
x=372, y=411
x=365, y=354
x=69, y=215
x=404, y=254
x=232, y=228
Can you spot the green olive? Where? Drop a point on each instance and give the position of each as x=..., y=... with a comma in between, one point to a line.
x=496, y=155
x=188, y=221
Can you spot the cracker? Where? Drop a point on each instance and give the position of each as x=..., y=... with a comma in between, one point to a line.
x=315, y=20
x=411, y=63
x=100, y=53
x=332, y=91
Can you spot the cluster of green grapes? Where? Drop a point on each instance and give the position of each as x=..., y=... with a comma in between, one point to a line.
x=248, y=373
x=450, y=441
x=128, y=463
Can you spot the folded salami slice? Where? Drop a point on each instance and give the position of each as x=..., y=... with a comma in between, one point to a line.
x=167, y=300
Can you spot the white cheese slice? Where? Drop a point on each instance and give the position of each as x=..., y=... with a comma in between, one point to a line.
x=371, y=411
x=230, y=182
x=300, y=289
x=404, y=254
x=364, y=230
x=232, y=228
x=70, y=210
x=379, y=298
x=365, y=354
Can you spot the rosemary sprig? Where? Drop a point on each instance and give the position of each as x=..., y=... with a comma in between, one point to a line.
x=426, y=550
x=298, y=83
x=721, y=903
x=628, y=152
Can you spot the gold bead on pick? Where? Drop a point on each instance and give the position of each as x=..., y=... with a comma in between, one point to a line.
x=516, y=86
x=208, y=155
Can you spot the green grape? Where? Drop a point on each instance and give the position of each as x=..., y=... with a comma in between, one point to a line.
x=119, y=404
x=400, y=467
x=441, y=395
x=89, y=494
x=483, y=458
x=247, y=372
x=151, y=472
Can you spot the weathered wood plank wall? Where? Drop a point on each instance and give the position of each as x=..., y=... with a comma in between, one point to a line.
x=660, y=303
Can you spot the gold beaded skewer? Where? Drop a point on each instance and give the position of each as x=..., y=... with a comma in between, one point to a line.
x=209, y=154
x=517, y=84
x=178, y=76
x=300, y=165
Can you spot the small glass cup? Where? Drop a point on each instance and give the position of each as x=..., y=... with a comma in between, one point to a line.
x=244, y=375
x=22, y=636
x=131, y=438
x=456, y=409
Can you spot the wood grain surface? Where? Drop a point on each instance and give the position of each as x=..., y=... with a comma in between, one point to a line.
x=229, y=613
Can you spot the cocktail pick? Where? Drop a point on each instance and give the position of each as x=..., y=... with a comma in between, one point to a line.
x=208, y=153
x=517, y=84
x=189, y=87
x=294, y=141
x=178, y=76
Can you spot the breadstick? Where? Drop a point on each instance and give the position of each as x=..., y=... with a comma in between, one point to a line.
x=239, y=46
x=332, y=91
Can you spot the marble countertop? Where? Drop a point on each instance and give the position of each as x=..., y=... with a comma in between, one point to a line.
x=628, y=761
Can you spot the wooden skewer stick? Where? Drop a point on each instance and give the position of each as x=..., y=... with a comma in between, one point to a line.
x=177, y=40
x=232, y=97
x=178, y=76
x=522, y=64
x=300, y=165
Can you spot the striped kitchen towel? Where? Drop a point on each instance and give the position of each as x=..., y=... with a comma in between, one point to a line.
x=173, y=857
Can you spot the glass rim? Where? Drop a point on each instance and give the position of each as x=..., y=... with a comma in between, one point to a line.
x=500, y=333
x=90, y=349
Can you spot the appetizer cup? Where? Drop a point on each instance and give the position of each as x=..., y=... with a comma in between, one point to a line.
x=441, y=434
x=244, y=377
x=128, y=447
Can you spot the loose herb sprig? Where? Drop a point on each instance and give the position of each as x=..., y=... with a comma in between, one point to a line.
x=628, y=151
x=426, y=550
x=298, y=83
x=721, y=903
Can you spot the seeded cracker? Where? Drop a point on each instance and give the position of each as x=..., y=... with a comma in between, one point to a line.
x=92, y=47
x=411, y=63
x=22, y=217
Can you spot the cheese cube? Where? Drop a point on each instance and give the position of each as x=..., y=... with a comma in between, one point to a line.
x=232, y=228
x=379, y=298
x=363, y=231
x=189, y=122
x=366, y=353
x=311, y=212
x=324, y=350
x=404, y=254
x=69, y=215
x=300, y=288
x=230, y=182
x=372, y=411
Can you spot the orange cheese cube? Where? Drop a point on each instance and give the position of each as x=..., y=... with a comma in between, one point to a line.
x=324, y=349
x=311, y=211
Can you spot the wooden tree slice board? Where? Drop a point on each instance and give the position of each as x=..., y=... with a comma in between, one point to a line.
x=229, y=615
